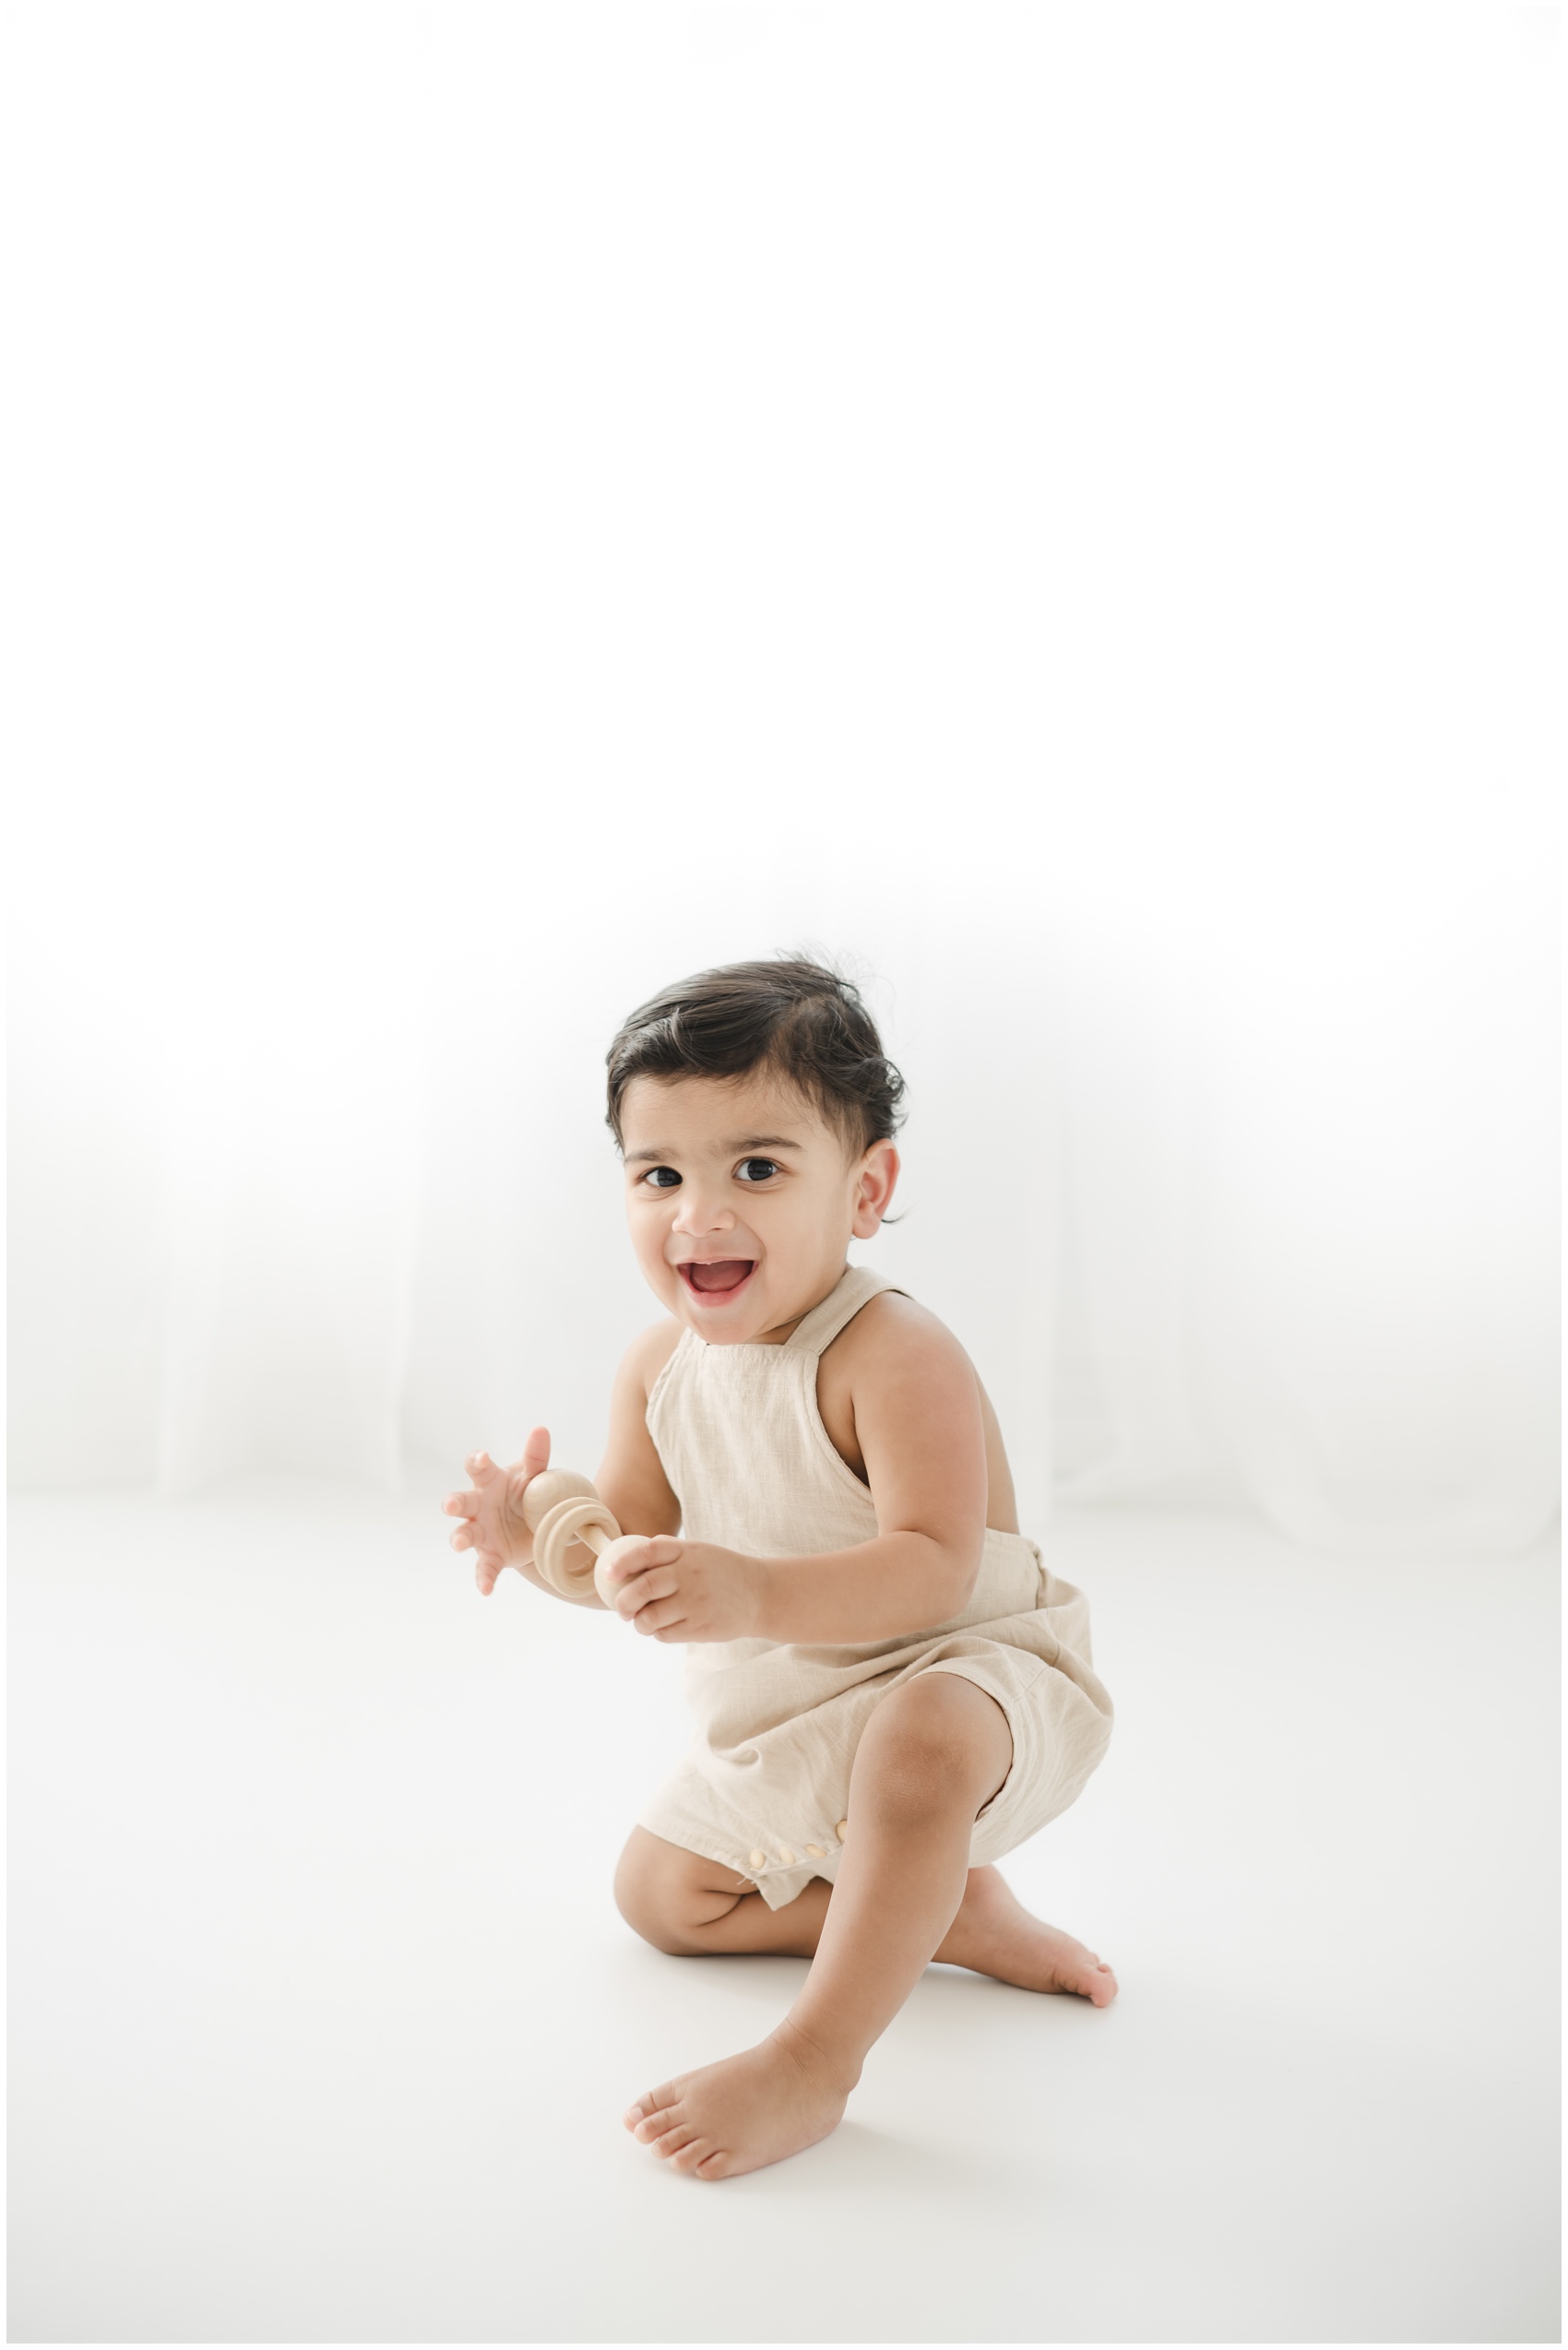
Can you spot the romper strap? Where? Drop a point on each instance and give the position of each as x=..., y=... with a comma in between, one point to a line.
x=856, y=1287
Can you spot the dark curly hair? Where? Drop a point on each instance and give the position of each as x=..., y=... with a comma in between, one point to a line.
x=791, y=1016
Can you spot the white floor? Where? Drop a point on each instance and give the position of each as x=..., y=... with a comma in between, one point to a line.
x=323, y=2019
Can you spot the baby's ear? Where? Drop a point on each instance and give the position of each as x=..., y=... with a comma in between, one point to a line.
x=878, y=1180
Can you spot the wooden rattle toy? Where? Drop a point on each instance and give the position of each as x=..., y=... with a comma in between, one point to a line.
x=564, y=1513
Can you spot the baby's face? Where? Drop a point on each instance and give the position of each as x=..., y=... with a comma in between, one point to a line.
x=742, y=1200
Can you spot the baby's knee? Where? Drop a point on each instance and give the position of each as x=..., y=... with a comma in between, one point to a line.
x=655, y=1894
x=929, y=1742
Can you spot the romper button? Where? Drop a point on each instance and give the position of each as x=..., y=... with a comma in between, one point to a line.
x=759, y=1858
x=817, y=1852
x=786, y=1856
x=842, y=1830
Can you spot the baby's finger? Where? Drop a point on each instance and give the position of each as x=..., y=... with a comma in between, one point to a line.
x=461, y=1538
x=635, y=1553
x=654, y=1584
x=628, y=1555
x=462, y=1505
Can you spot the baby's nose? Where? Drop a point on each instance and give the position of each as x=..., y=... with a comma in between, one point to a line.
x=697, y=1213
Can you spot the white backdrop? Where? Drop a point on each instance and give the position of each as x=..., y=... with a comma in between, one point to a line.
x=1047, y=505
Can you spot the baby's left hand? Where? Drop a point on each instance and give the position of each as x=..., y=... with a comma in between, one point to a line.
x=679, y=1591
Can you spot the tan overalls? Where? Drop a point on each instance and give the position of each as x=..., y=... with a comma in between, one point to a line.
x=764, y=1785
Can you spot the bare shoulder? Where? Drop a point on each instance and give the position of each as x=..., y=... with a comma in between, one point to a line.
x=894, y=1353
x=894, y=1336
x=648, y=1353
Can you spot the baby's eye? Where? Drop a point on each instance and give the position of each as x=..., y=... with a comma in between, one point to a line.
x=756, y=1170
x=661, y=1178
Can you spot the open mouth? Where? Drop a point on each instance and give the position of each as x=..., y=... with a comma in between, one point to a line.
x=720, y=1278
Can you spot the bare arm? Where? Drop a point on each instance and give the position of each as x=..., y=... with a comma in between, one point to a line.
x=631, y=1480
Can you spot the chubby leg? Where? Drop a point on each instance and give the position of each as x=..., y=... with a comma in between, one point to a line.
x=689, y=1905
x=695, y=1907
x=934, y=1754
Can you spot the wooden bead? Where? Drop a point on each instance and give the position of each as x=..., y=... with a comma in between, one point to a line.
x=542, y=1494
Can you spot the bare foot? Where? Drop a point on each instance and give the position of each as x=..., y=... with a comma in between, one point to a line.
x=995, y=1934
x=774, y=2100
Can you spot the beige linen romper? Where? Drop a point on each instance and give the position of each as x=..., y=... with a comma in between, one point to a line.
x=765, y=1784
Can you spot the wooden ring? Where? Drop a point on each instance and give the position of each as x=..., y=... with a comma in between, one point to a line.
x=558, y=1531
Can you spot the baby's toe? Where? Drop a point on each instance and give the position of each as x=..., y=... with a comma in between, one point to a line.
x=661, y=2101
x=692, y=2155
x=668, y=2145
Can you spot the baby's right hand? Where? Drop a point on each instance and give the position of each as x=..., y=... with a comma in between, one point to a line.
x=494, y=1526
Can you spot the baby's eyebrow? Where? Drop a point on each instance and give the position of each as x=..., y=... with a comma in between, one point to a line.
x=660, y=1153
